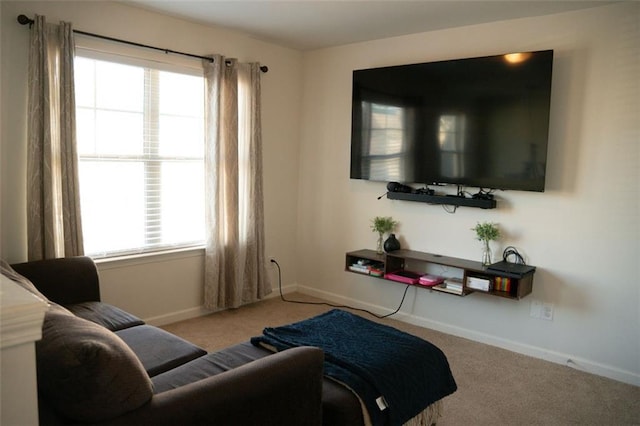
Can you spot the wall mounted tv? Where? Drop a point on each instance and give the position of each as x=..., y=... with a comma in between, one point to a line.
x=477, y=122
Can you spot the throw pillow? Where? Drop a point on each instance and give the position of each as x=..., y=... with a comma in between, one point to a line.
x=86, y=372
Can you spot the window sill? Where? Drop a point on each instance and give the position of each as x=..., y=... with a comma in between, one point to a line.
x=146, y=258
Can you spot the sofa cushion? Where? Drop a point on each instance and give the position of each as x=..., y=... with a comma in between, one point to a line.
x=340, y=406
x=106, y=315
x=207, y=366
x=86, y=372
x=157, y=349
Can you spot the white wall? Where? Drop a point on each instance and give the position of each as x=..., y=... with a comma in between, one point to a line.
x=582, y=232
x=168, y=287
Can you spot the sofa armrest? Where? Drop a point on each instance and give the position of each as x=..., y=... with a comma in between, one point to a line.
x=281, y=389
x=65, y=280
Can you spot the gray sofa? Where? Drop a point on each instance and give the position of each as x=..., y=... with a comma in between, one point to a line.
x=98, y=364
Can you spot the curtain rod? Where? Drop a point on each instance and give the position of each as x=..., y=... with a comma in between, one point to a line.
x=25, y=20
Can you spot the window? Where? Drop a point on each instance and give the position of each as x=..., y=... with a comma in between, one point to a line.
x=451, y=137
x=387, y=140
x=140, y=133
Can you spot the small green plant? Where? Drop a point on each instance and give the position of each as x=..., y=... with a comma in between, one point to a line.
x=487, y=231
x=382, y=225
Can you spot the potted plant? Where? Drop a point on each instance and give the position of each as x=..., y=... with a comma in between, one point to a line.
x=485, y=232
x=382, y=225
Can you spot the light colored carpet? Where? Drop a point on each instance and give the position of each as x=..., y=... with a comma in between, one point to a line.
x=495, y=386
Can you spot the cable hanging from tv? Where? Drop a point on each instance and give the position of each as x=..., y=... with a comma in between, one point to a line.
x=25, y=20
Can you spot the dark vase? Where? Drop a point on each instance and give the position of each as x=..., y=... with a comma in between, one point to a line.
x=391, y=243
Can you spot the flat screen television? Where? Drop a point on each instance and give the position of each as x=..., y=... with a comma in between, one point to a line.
x=477, y=122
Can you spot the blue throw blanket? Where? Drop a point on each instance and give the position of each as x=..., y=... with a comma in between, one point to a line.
x=397, y=375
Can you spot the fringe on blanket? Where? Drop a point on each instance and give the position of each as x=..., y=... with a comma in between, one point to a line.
x=427, y=417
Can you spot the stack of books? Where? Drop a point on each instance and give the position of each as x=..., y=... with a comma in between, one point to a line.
x=502, y=284
x=451, y=285
x=368, y=267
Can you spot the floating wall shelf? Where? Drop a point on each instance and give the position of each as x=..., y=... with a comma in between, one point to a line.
x=443, y=199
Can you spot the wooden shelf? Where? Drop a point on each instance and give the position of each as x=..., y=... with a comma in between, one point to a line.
x=519, y=285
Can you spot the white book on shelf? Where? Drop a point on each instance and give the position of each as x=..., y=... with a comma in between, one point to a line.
x=448, y=289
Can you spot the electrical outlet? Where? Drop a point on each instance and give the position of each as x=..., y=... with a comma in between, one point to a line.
x=547, y=311
x=536, y=309
x=541, y=310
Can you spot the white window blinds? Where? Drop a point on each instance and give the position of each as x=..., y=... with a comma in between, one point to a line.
x=140, y=132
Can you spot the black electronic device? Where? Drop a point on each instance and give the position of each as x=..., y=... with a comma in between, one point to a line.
x=398, y=187
x=427, y=191
x=477, y=122
x=510, y=269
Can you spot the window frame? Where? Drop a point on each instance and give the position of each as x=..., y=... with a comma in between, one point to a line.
x=150, y=156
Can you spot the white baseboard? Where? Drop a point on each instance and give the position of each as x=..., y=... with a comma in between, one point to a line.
x=199, y=311
x=172, y=317
x=521, y=348
x=291, y=288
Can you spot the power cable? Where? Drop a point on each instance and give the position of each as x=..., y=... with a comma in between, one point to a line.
x=331, y=304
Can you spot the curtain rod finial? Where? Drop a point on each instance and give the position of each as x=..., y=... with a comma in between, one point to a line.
x=25, y=20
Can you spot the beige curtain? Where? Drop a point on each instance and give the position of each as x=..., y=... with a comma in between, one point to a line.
x=235, y=266
x=53, y=226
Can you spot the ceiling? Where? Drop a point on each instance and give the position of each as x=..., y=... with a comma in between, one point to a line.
x=314, y=24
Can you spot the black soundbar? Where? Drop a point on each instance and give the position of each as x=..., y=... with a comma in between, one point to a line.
x=443, y=199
